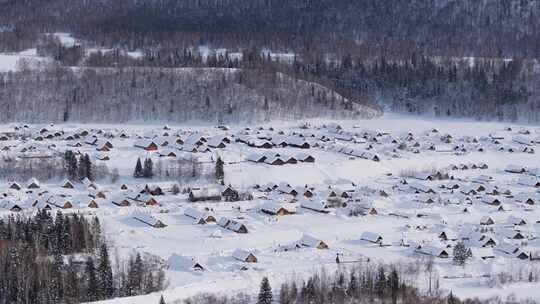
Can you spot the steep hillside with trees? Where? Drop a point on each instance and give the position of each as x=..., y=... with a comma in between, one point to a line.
x=173, y=95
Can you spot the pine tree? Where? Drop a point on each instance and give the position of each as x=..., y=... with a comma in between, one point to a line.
x=265, y=292
x=380, y=285
x=105, y=276
x=284, y=294
x=220, y=173
x=60, y=247
x=135, y=273
x=308, y=291
x=451, y=299
x=138, y=169
x=353, y=285
x=161, y=300
x=71, y=164
x=293, y=292
x=67, y=236
x=461, y=254
x=148, y=170
x=82, y=168
x=55, y=283
x=393, y=284
x=89, y=168
x=72, y=289
x=91, y=281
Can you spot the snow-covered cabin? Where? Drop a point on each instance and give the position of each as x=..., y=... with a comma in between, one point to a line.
x=197, y=214
x=421, y=188
x=232, y=225
x=148, y=219
x=525, y=198
x=371, y=237
x=14, y=186
x=432, y=251
x=67, y=184
x=256, y=158
x=33, y=184
x=89, y=184
x=148, y=145
x=181, y=263
x=304, y=157
x=486, y=220
x=315, y=205
x=273, y=208
x=244, y=256
x=515, y=169
x=312, y=242
x=9, y=205
x=491, y=200
x=511, y=250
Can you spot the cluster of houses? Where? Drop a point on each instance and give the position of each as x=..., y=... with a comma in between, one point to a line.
x=49, y=141
x=493, y=217
x=373, y=145
x=496, y=219
x=280, y=159
x=79, y=195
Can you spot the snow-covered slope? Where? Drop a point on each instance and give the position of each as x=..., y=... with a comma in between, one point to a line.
x=170, y=95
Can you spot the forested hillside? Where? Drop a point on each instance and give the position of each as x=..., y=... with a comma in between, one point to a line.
x=486, y=28
x=440, y=57
x=175, y=95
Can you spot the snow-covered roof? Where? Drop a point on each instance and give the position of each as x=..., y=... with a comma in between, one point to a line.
x=371, y=237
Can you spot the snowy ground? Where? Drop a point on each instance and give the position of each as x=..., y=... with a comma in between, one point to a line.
x=416, y=224
x=14, y=61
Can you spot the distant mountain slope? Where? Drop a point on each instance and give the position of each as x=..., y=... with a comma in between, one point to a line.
x=171, y=95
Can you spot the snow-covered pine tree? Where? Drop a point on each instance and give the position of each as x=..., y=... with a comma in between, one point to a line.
x=284, y=294
x=220, y=173
x=138, y=169
x=380, y=285
x=353, y=285
x=105, y=275
x=461, y=254
x=89, y=168
x=265, y=292
x=148, y=170
x=91, y=280
x=393, y=284
x=135, y=275
x=71, y=164
x=161, y=300
x=81, y=168
x=72, y=289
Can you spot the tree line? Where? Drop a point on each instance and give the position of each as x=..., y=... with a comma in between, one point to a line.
x=354, y=286
x=54, y=167
x=181, y=169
